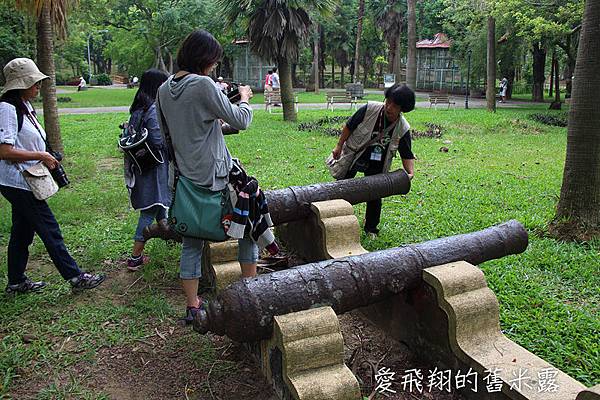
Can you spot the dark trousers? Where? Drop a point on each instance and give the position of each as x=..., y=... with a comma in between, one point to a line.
x=30, y=216
x=373, y=213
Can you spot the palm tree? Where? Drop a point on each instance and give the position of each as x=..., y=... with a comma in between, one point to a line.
x=359, y=27
x=490, y=93
x=276, y=30
x=51, y=18
x=411, y=56
x=390, y=18
x=577, y=215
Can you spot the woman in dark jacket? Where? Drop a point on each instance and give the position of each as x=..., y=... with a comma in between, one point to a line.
x=148, y=187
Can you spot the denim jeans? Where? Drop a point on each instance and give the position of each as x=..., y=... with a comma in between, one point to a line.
x=30, y=216
x=373, y=213
x=146, y=218
x=190, y=266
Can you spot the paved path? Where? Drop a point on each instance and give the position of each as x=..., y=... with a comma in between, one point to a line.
x=473, y=103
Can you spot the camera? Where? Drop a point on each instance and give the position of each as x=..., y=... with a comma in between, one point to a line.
x=233, y=93
x=58, y=174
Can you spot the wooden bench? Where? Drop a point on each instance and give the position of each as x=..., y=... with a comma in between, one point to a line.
x=439, y=98
x=273, y=99
x=338, y=98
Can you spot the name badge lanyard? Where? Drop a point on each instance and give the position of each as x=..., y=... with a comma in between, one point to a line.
x=377, y=153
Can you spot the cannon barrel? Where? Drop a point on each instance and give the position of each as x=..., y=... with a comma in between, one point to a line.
x=293, y=203
x=244, y=311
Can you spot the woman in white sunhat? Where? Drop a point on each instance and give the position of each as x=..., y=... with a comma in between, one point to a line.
x=22, y=146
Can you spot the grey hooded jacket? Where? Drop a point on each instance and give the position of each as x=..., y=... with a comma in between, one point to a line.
x=192, y=108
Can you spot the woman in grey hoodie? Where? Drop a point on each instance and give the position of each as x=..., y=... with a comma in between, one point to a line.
x=193, y=110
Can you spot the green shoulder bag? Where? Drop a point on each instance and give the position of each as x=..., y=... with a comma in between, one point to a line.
x=199, y=212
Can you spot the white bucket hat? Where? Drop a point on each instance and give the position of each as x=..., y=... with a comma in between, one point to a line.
x=21, y=73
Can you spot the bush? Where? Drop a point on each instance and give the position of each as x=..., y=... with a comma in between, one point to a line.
x=103, y=80
x=62, y=79
x=554, y=119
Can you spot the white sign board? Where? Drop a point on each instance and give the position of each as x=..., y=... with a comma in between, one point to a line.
x=389, y=80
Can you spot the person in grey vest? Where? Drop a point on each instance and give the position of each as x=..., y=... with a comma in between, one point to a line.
x=370, y=140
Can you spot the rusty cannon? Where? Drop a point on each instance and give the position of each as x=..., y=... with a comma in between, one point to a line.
x=293, y=203
x=244, y=311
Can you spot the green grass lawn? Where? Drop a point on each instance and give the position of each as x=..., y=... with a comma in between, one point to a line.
x=103, y=97
x=498, y=167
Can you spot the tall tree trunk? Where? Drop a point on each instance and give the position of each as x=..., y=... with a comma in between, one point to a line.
x=332, y=72
x=539, y=66
x=490, y=93
x=361, y=13
x=556, y=105
x=316, y=69
x=45, y=56
x=579, y=202
x=550, y=90
x=397, y=68
x=569, y=67
x=391, y=56
x=295, y=75
x=411, y=62
x=342, y=83
x=287, y=90
x=321, y=57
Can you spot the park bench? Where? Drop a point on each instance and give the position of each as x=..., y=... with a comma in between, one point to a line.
x=273, y=99
x=439, y=98
x=338, y=98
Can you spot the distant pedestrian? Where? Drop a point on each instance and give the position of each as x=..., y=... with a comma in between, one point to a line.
x=275, y=80
x=82, y=84
x=221, y=84
x=503, y=89
x=268, y=81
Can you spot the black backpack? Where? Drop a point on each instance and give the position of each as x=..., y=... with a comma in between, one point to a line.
x=134, y=143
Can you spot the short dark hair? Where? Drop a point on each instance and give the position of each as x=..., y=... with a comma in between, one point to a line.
x=149, y=84
x=198, y=50
x=401, y=95
x=274, y=69
x=270, y=71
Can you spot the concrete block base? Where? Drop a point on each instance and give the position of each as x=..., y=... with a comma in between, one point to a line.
x=452, y=321
x=304, y=359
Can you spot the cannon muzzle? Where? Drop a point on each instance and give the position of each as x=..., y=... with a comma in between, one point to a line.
x=244, y=311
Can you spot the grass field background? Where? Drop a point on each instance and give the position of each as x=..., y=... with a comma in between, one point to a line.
x=498, y=167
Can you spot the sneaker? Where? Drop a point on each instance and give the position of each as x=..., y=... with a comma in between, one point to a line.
x=190, y=312
x=26, y=286
x=372, y=233
x=135, y=263
x=86, y=281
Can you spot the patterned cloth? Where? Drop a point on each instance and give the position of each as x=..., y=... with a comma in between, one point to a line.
x=250, y=212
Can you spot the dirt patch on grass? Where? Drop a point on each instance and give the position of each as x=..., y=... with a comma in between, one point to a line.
x=172, y=362
x=110, y=164
x=367, y=349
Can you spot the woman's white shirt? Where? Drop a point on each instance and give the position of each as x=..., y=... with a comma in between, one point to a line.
x=28, y=138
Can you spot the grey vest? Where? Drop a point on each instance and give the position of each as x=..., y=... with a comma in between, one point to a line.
x=356, y=142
